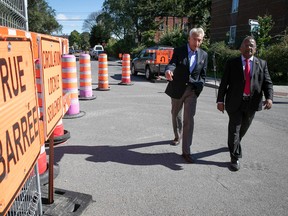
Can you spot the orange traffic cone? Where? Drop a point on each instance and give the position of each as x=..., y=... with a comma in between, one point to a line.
x=70, y=85
x=85, y=78
x=103, y=84
x=60, y=135
x=126, y=80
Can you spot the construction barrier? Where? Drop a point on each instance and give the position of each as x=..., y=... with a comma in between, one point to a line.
x=103, y=84
x=19, y=114
x=39, y=87
x=85, y=78
x=42, y=160
x=126, y=80
x=43, y=166
x=34, y=62
x=70, y=85
x=60, y=134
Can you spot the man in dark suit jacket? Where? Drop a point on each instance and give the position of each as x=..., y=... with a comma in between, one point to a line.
x=240, y=92
x=186, y=73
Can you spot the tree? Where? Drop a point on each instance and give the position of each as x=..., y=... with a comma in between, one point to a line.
x=91, y=21
x=99, y=35
x=41, y=17
x=74, y=39
x=262, y=36
x=174, y=38
x=84, y=41
x=198, y=12
x=134, y=17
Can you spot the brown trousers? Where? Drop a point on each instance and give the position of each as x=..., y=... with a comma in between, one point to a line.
x=189, y=100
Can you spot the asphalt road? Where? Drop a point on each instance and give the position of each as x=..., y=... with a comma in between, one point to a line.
x=119, y=153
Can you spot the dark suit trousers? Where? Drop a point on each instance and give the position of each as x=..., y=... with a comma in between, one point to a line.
x=239, y=122
x=189, y=100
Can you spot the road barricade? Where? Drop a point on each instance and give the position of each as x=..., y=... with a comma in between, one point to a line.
x=70, y=86
x=20, y=141
x=103, y=83
x=85, y=78
x=126, y=80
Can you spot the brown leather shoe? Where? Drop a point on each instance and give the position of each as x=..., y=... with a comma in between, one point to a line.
x=188, y=158
x=175, y=142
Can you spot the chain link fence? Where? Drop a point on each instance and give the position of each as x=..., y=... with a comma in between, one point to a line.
x=13, y=14
x=28, y=202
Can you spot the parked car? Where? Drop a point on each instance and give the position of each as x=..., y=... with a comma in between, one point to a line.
x=71, y=51
x=143, y=62
x=96, y=53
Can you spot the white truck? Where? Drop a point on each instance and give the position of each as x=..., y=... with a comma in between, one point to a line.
x=96, y=50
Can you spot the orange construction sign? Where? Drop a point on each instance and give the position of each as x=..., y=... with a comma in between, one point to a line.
x=51, y=78
x=19, y=117
x=163, y=56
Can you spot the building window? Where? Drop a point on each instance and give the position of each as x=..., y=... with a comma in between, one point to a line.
x=161, y=27
x=235, y=6
x=232, y=34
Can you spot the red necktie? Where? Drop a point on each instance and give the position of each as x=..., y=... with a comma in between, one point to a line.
x=247, y=77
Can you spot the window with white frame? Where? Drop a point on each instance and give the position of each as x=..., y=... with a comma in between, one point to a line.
x=235, y=6
x=232, y=35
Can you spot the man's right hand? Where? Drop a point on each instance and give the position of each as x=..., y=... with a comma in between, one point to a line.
x=221, y=107
x=169, y=75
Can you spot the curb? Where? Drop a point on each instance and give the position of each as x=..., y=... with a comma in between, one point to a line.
x=276, y=93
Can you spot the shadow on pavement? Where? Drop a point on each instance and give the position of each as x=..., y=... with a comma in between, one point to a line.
x=129, y=155
x=199, y=155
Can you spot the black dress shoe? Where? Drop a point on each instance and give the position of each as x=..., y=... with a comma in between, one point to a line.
x=235, y=165
x=188, y=158
x=175, y=142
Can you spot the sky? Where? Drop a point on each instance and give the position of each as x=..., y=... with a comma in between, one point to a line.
x=67, y=10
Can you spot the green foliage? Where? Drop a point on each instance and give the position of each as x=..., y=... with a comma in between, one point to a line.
x=138, y=16
x=110, y=48
x=114, y=47
x=174, y=38
x=84, y=41
x=277, y=60
x=276, y=56
x=99, y=35
x=41, y=17
x=222, y=53
x=262, y=37
x=131, y=17
x=74, y=39
x=199, y=13
x=148, y=38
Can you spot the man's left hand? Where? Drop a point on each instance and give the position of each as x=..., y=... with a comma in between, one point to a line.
x=268, y=104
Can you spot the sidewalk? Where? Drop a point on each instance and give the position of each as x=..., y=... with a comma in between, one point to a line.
x=279, y=90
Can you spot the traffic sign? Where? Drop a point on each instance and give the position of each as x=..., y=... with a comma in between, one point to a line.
x=19, y=125
x=51, y=78
x=163, y=56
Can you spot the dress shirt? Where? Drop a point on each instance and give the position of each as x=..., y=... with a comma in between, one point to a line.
x=192, y=56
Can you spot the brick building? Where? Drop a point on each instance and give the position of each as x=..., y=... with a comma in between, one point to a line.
x=233, y=20
x=170, y=23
